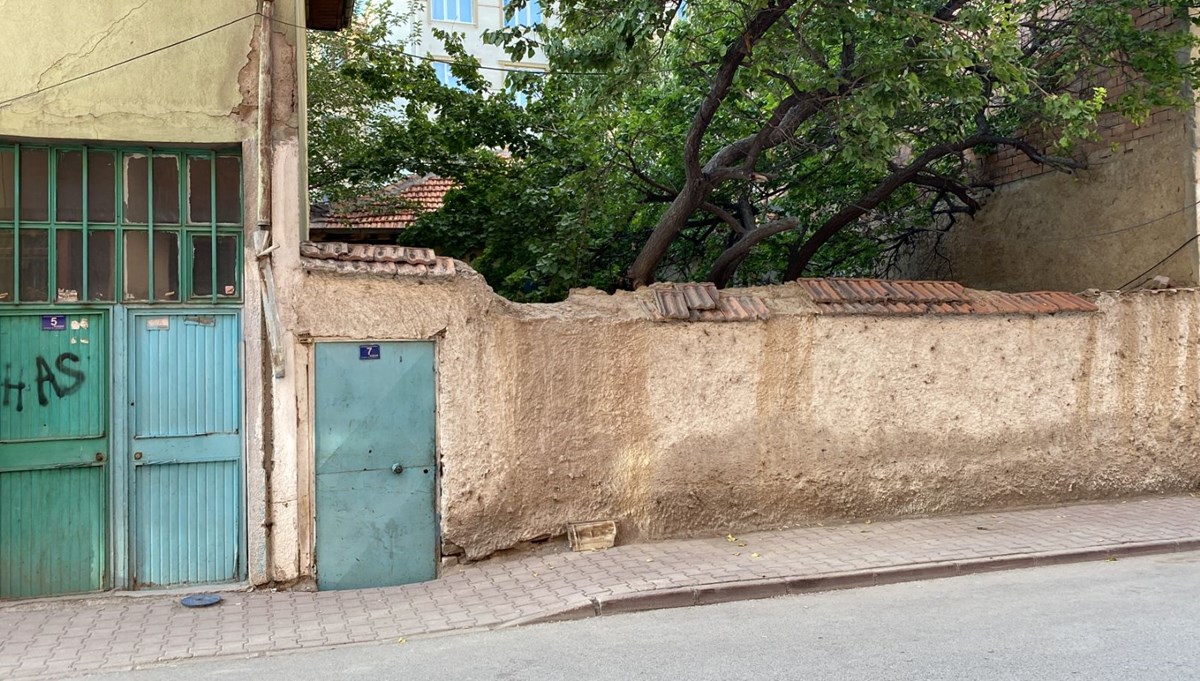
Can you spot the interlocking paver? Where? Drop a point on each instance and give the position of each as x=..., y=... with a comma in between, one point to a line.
x=61, y=637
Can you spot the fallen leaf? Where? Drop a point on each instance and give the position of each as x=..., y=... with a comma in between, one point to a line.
x=730, y=538
x=401, y=640
x=742, y=544
x=754, y=555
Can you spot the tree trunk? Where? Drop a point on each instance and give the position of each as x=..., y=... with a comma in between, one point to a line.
x=641, y=273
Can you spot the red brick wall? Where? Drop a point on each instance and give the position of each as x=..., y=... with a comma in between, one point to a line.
x=1114, y=131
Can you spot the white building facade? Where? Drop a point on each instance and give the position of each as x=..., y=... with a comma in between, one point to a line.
x=471, y=19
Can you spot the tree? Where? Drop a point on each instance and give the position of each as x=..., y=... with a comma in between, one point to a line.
x=737, y=141
x=804, y=117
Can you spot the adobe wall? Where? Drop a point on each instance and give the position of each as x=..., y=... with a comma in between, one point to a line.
x=590, y=409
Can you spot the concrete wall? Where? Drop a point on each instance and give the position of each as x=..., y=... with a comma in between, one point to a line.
x=1099, y=228
x=588, y=409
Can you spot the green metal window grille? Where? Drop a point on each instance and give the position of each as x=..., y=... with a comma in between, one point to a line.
x=84, y=224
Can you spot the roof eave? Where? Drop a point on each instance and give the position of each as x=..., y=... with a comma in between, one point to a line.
x=331, y=15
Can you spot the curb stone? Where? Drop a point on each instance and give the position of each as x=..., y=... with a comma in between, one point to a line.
x=748, y=590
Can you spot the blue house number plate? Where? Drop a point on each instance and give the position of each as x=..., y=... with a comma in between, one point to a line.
x=368, y=351
x=54, y=322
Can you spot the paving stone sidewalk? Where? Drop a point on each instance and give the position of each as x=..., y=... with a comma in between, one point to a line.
x=52, y=638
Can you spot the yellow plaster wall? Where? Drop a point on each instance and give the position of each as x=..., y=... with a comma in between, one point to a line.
x=189, y=93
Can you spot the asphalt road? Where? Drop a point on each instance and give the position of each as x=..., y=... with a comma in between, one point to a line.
x=1130, y=619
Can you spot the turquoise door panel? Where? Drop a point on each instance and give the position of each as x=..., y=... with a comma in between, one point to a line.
x=53, y=452
x=185, y=414
x=375, y=425
x=52, y=531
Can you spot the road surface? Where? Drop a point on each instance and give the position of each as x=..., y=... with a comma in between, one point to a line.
x=1129, y=619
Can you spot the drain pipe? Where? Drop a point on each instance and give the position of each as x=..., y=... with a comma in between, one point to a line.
x=260, y=241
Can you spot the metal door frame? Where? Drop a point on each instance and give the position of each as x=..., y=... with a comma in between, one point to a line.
x=122, y=474
x=311, y=457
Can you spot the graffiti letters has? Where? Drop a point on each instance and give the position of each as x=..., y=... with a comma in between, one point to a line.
x=60, y=379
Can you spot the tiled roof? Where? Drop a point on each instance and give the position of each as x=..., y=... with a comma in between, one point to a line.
x=704, y=303
x=881, y=296
x=400, y=205
x=370, y=259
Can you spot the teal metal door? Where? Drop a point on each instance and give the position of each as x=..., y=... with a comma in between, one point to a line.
x=375, y=464
x=53, y=453
x=185, y=418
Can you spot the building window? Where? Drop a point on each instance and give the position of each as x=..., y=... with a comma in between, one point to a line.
x=445, y=76
x=529, y=15
x=514, y=84
x=102, y=225
x=458, y=11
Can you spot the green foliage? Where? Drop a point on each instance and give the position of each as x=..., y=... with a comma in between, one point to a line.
x=592, y=163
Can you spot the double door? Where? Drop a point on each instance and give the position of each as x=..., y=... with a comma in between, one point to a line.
x=120, y=449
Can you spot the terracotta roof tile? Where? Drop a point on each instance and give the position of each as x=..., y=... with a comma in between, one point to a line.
x=704, y=303
x=400, y=205
x=887, y=297
x=372, y=259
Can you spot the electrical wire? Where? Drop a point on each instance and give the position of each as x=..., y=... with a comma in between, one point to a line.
x=1139, y=278
x=972, y=237
x=177, y=43
x=399, y=52
x=1079, y=237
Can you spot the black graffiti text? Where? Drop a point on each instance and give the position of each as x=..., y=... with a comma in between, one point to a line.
x=62, y=380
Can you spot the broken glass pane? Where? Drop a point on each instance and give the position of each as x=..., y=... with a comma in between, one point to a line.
x=6, y=265
x=229, y=190
x=137, y=264
x=35, y=185
x=69, y=254
x=136, y=190
x=102, y=187
x=7, y=185
x=166, y=266
x=199, y=191
x=35, y=265
x=68, y=186
x=166, y=190
x=227, y=260
x=102, y=249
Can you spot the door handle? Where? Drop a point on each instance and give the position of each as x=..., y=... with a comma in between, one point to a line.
x=397, y=468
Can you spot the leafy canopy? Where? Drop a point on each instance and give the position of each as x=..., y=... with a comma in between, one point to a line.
x=739, y=142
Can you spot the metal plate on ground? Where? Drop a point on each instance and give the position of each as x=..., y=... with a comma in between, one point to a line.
x=200, y=600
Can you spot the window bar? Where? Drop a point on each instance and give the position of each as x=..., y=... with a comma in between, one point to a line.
x=83, y=293
x=150, y=221
x=52, y=232
x=17, y=223
x=212, y=220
